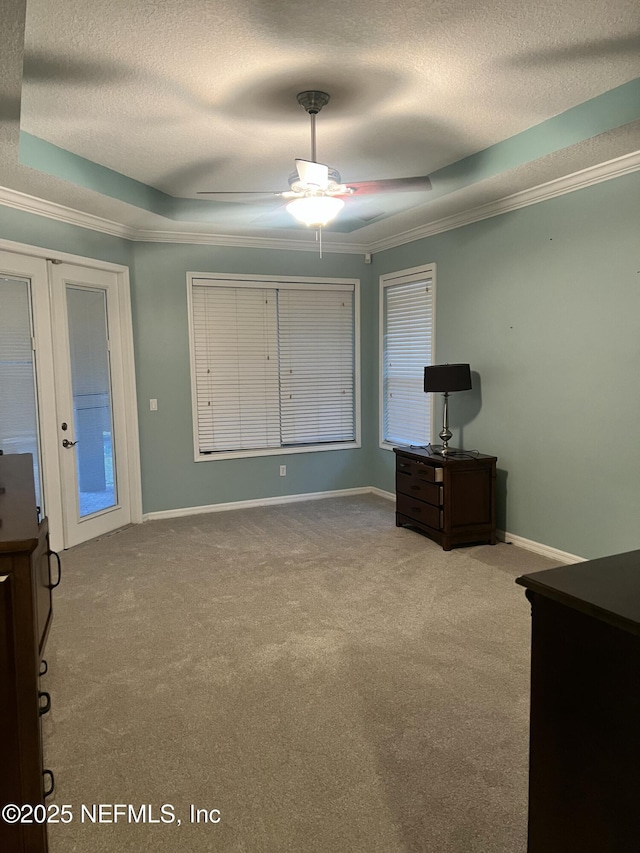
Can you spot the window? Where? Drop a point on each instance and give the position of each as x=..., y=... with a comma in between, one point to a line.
x=274, y=365
x=407, y=301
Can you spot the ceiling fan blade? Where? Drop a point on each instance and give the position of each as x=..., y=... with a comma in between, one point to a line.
x=313, y=174
x=391, y=185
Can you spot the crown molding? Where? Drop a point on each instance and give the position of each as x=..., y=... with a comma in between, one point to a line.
x=52, y=210
x=235, y=241
x=543, y=192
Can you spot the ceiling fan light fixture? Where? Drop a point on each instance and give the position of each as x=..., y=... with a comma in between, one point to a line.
x=316, y=211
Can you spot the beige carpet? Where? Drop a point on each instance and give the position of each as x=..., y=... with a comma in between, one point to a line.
x=329, y=682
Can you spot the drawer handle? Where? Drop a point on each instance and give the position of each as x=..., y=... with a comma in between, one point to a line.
x=44, y=667
x=57, y=583
x=416, y=488
x=52, y=783
x=44, y=709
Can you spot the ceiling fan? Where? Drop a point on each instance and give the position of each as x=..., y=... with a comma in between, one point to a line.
x=316, y=192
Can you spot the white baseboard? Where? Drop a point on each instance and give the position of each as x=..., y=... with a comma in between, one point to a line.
x=279, y=499
x=539, y=548
x=390, y=496
x=504, y=536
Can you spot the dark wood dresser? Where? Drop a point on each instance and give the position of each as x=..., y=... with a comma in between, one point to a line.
x=584, y=767
x=450, y=499
x=26, y=585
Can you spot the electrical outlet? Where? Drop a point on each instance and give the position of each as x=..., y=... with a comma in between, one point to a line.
x=283, y=470
x=153, y=405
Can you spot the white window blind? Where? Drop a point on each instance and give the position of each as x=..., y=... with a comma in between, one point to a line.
x=274, y=366
x=407, y=348
x=316, y=366
x=236, y=365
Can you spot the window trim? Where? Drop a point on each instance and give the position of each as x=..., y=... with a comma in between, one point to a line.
x=243, y=280
x=386, y=280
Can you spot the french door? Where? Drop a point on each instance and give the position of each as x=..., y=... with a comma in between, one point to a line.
x=69, y=363
x=92, y=434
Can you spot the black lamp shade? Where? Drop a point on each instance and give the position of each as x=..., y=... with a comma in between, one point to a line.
x=447, y=377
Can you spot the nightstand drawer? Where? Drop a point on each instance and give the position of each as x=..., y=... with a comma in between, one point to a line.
x=416, y=487
x=430, y=473
x=419, y=511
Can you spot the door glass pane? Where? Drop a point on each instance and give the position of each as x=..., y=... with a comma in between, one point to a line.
x=91, y=389
x=18, y=407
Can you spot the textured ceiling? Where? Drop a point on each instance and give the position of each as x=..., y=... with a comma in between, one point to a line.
x=188, y=95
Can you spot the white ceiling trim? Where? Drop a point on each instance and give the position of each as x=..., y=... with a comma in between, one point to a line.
x=543, y=192
x=52, y=210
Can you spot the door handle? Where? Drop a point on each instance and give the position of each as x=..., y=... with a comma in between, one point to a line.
x=57, y=583
x=67, y=443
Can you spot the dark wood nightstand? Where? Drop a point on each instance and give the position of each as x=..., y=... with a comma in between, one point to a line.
x=452, y=499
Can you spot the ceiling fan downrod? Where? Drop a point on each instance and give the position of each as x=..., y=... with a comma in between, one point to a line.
x=313, y=102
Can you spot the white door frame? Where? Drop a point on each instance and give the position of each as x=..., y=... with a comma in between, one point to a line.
x=42, y=318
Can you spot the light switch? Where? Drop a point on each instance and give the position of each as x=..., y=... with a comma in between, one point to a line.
x=153, y=405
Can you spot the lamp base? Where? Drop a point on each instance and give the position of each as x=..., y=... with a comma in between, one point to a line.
x=445, y=435
x=447, y=452
x=440, y=450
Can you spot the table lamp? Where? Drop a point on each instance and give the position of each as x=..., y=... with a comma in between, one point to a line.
x=446, y=378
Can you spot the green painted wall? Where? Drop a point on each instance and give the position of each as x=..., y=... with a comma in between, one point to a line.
x=170, y=477
x=48, y=233
x=544, y=303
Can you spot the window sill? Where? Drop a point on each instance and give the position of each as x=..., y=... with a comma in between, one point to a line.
x=275, y=451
